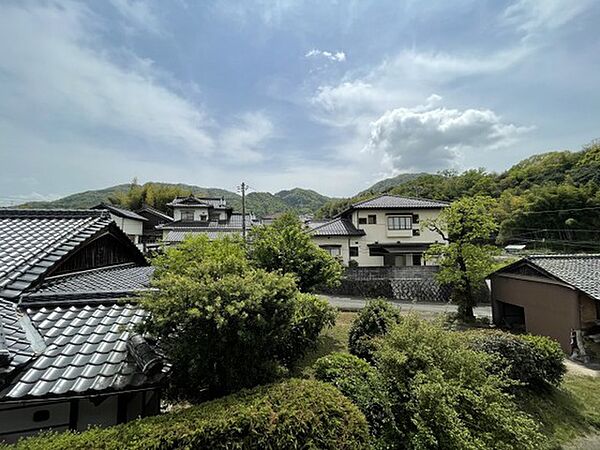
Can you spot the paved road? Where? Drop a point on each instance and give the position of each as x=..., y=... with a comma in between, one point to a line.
x=355, y=303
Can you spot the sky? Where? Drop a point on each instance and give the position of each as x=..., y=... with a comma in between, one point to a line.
x=326, y=95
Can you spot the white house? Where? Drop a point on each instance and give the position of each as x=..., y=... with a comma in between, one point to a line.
x=209, y=216
x=130, y=222
x=383, y=231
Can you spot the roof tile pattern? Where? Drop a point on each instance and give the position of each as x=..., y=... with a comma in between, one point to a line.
x=31, y=242
x=86, y=351
x=121, y=212
x=111, y=279
x=15, y=338
x=337, y=227
x=394, y=201
x=580, y=271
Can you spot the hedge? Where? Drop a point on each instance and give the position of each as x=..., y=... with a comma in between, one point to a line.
x=289, y=415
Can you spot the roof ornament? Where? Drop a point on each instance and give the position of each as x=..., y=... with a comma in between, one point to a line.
x=5, y=355
x=148, y=361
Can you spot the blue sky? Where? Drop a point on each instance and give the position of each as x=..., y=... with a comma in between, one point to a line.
x=331, y=96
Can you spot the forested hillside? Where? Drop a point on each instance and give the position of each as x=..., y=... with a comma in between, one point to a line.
x=551, y=200
x=133, y=195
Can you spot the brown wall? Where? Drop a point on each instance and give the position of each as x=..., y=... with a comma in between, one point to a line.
x=550, y=309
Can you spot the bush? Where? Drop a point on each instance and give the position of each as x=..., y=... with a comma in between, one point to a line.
x=293, y=414
x=443, y=395
x=534, y=362
x=285, y=246
x=223, y=324
x=361, y=383
x=374, y=320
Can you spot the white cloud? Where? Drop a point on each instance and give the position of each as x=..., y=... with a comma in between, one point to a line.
x=139, y=14
x=242, y=142
x=331, y=56
x=430, y=139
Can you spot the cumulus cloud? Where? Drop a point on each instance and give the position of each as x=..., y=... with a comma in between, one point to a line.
x=331, y=56
x=429, y=139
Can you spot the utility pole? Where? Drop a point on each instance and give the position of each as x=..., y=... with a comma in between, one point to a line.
x=243, y=188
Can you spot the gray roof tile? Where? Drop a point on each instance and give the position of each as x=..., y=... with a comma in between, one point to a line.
x=337, y=227
x=580, y=271
x=387, y=201
x=121, y=212
x=32, y=241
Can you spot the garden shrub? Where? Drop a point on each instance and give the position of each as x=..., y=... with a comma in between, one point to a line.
x=360, y=382
x=443, y=395
x=223, y=324
x=294, y=414
x=373, y=321
x=534, y=362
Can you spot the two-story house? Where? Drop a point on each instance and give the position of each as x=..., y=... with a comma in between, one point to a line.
x=383, y=231
x=130, y=222
x=210, y=216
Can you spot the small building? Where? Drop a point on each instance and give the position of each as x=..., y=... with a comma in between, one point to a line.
x=154, y=218
x=130, y=222
x=551, y=295
x=70, y=356
x=208, y=216
x=383, y=231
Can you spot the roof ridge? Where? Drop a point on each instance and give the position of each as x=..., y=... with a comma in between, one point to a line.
x=45, y=213
x=423, y=199
x=564, y=256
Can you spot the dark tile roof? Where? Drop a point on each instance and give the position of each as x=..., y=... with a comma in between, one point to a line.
x=192, y=201
x=336, y=227
x=234, y=223
x=103, y=283
x=580, y=271
x=121, y=212
x=86, y=352
x=149, y=209
x=394, y=201
x=33, y=241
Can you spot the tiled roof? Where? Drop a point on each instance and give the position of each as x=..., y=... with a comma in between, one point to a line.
x=337, y=227
x=580, y=271
x=33, y=241
x=86, y=351
x=102, y=283
x=192, y=201
x=179, y=235
x=394, y=201
x=156, y=212
x=121, y=212
x=234, y=223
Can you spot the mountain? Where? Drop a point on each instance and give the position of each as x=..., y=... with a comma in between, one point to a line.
x=389, y=183
x=301, y=201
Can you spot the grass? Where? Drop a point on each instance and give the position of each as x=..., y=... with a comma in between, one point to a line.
x=569, y=416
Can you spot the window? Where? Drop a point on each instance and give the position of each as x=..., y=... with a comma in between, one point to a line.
x=333, y=250
x=203, y=217
x=417, y=232
x=399, y=223
x=415, y=218
x=362, y=220
x=187, y=216
x=372, y=218
x=353, y=251
x=416, y=259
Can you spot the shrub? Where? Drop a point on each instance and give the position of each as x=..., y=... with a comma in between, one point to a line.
x=285, y=246
x=360, y=382
x=293, y=414
x=534, y=362
x=374, y=320
x=223, y=324
x=443, y=395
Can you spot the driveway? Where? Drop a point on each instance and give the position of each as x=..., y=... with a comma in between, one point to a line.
x=347, y=303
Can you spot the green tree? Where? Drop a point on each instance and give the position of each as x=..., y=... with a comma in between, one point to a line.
x=467, y=225
x=286, y=247
x=224, y=324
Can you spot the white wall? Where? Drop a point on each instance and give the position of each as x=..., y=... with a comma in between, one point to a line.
x=131, y=227
x=198, y=212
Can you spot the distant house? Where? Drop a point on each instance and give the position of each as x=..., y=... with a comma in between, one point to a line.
x=69, y=355
x=383, y=231
x=130, y=222
x=551, y=295
x=154, y=217
x=209, y=216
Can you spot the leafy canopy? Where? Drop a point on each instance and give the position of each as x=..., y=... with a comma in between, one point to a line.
x=224, y=324
x=286, y=247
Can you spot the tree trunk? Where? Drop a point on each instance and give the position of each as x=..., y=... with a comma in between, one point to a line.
x=467, y=301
